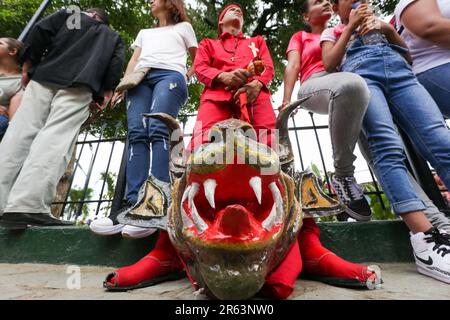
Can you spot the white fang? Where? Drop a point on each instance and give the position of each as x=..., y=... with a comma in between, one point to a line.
x=255, y=183
x=198, y=221
x=270, y=220
x=187, y=222
x=210, y=190
x=276, y=194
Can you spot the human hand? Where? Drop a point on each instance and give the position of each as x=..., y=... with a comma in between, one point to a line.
x=358, y=15
x=234, y=79
x=252, y=89
x=369, y=24
x=118, y=95
x=107, y=98
x=283, y=105
x=108, y=94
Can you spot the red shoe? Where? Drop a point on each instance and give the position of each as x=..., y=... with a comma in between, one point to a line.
x=323, y=265
x=162, y=264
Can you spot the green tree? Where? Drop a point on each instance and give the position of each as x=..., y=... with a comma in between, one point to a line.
x=378, y=213
x=79, y=195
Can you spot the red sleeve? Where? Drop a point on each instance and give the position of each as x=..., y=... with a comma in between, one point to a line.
x=204, y=72
x=267, y=76
x=295, y=43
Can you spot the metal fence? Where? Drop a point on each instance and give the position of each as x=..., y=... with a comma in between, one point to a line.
x=94, y=177
x=97, y=184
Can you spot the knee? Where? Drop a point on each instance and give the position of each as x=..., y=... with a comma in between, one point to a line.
x=136, y=134
x=388, y=153
x=157, y=131
x=355, y=89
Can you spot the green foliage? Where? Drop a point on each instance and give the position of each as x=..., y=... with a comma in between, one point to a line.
x=386, y=6
x=14, y=15
x=378, y=213
x=79, y=195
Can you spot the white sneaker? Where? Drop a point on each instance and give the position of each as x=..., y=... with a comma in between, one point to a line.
x=106, y=226
x=133, y=232
x=432, y=253
x=109, y=225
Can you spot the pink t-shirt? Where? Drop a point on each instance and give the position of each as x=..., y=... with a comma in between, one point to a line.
x=308, y=45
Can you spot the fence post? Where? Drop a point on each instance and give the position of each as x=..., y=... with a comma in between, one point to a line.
x=34, y=19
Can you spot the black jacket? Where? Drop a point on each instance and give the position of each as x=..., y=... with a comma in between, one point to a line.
x=65, y=55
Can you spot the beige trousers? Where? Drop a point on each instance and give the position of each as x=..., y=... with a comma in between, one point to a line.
x=38, y=145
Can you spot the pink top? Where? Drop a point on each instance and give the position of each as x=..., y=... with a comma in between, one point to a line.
x=308, y=45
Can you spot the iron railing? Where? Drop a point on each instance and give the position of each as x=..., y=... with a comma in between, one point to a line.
x=95, y=162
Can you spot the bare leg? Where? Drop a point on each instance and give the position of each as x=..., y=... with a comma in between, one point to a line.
x=416, y=221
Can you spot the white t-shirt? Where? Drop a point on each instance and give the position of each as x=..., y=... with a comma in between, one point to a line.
x=165, y=47
x=425, y=54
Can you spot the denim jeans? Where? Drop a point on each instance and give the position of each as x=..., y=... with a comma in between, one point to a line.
x=161, y=91
x=3, y=125
x=397, y=95
x=437, y=83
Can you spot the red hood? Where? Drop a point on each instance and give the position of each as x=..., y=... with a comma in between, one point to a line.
x=223, y=13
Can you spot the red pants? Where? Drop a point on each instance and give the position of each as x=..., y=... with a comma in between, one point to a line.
x=262, y=118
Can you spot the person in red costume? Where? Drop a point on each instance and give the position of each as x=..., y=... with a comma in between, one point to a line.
x=221, y=65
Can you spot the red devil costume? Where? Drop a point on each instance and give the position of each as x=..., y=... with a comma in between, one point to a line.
x=224, y=54
x=307, y=255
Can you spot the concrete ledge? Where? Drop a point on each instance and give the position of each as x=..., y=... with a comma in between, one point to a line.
x=377, y=241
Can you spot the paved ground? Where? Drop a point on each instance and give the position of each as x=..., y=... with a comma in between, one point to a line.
x=33, y=281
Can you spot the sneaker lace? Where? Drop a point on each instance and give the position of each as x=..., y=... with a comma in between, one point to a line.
x=441, y=242
x=352, y=188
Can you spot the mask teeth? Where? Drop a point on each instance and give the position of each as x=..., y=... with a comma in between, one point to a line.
x=256, y=185
x=276, y=214
x=187, y=222
x=210, y=191
x=199, y=223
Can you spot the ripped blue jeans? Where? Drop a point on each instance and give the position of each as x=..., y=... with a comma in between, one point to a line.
x=161, y=91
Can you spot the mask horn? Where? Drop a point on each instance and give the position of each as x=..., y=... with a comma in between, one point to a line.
x=284, y=145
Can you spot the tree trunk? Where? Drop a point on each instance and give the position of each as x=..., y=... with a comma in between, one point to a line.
x=62, y=189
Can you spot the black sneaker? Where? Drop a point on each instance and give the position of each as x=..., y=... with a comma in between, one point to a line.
x=351, y=194
x=21, y=220
x=107, y=226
